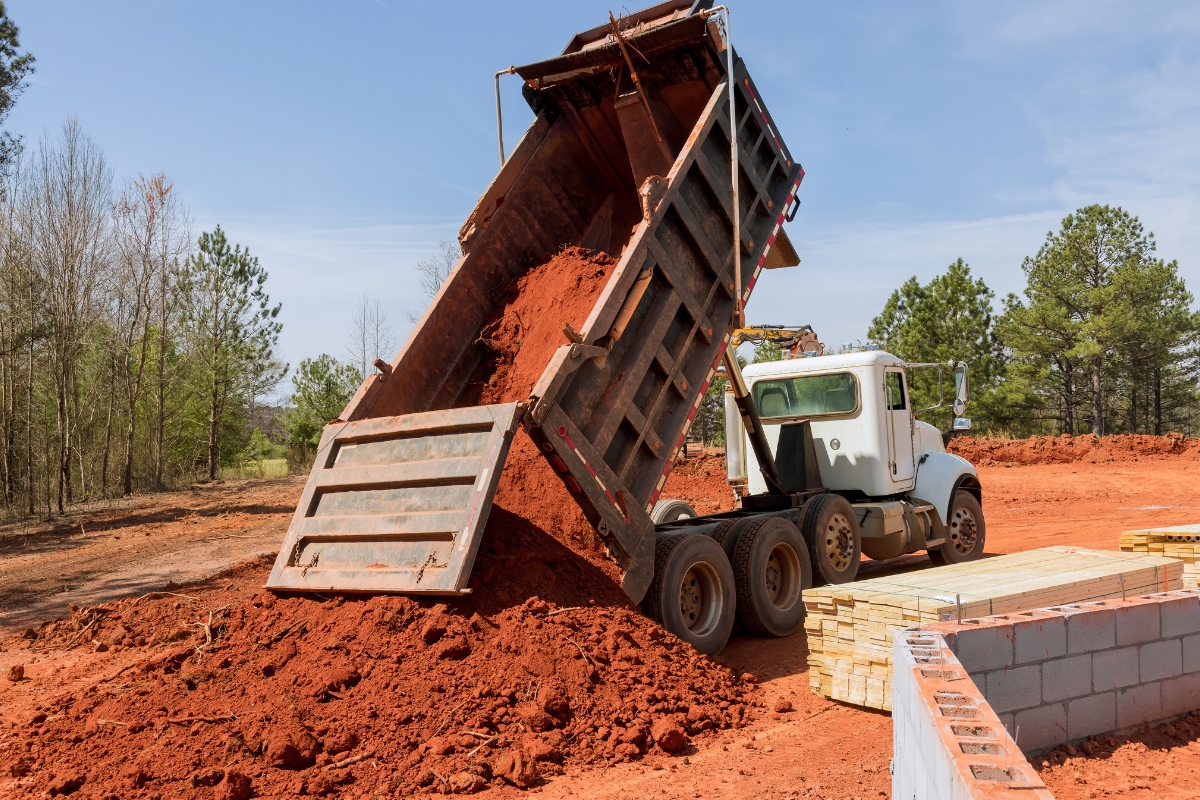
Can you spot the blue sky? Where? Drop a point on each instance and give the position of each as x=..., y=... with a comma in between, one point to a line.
x=341, y=141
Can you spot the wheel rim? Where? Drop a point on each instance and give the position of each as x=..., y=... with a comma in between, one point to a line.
x=839, y=542
x=783, y=576
x=700, y=598
x=964, y=530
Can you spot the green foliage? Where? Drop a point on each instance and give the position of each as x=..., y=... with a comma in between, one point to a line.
x=15, y=67
x=947, y=319
x=321, y=388
x=1103, y=325
x=709, y=424
x=767, y=351
x=231, y=331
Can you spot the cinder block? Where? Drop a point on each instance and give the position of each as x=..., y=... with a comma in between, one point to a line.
x=1090, y=627
x=1137, y=622
x=1191, y=653
x=1014, y=689
x=1064, y=678
x=1087, y=716
x=985, y=648
x=1180, y=616
x=1041, y=727
x=1042, y=636
x=980, y=681
x=1161, y=659
x=1113, y=669
x=1138, y=705
x=1180, y=695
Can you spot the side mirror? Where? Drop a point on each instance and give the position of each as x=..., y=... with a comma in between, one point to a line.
x=962, y=393
x=962, y=424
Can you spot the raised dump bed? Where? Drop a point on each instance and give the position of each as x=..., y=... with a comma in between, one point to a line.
x=640, y=171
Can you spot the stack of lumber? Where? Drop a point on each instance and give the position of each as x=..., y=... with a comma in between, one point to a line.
x=1181, y=543
x=850, y=626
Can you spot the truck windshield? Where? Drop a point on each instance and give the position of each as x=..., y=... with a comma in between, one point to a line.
x=806, y=396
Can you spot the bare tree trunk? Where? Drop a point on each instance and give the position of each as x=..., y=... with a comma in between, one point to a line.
x=29, y=404
x=213, y=424
x=162, y=382
x=1158, y=401
x=112, y=394
x=1097, y=398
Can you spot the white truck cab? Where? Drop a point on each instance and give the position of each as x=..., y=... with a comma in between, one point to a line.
x=906, y=491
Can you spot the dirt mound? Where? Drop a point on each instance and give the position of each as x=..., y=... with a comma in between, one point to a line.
x=304, y=694
x=544, y=664
x=1158, y=762
x=700, y=480
x=526, y=327
x=1066, y=449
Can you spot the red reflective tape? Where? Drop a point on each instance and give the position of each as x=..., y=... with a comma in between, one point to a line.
x=562, y=431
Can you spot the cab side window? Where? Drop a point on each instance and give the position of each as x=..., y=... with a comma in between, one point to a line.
x=894, y=391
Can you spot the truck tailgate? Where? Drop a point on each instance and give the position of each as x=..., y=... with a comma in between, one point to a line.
x=397, y=503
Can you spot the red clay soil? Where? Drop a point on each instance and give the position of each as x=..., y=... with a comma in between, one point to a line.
x=310, y=694
x=544, y=665
x=1159, y=762
x=1067, y=449
x=526, y=328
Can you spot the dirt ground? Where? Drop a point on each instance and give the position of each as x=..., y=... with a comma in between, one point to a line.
x=816, y=749
x=137, y=545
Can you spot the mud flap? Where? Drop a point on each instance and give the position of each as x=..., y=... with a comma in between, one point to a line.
x=637, y=579
x=397, y=504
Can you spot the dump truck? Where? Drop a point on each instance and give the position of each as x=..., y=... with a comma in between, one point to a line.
x=652, y=143
x=844, y=423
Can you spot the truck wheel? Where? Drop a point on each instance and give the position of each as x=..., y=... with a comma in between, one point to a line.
x=670, y=511
x=726, y=534
x=966, y=532
x=834, y=541
x=693, y=594
x=771, y=567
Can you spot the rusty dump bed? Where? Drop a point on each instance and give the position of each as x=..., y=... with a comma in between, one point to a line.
x=400, y=491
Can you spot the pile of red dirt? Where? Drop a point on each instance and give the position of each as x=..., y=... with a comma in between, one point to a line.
x=544, y=664
x=1152, y=762
x=700, y=481
x=1066, y=449
x=526, y=327
x=309, y=694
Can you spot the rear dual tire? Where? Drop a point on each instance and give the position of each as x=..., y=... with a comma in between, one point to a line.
x=693, y=594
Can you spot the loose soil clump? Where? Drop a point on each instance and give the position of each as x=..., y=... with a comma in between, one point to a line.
x=1068, y=449
x=1157, y=762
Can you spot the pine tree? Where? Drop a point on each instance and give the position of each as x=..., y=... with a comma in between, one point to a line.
x=231, y=330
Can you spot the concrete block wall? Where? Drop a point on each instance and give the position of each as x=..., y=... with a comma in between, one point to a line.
x=947, y=742
x=1064, y=673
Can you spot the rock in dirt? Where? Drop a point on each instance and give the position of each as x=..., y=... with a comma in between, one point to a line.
x=466, y=783
x=454, y=648
x=20, y=767
x=337, y=679
x=783, y=705
x=326, y=783
x=669, y=735
x=516, y=768
x=134, y=777
x=236, y=786
x=290, y=747
x=208, y=777
x=66, y=783
x=16, y=673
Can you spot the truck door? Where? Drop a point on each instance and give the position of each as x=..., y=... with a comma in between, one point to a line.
x=899, y=425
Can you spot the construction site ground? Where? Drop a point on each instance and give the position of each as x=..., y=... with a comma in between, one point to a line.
x=786, y=743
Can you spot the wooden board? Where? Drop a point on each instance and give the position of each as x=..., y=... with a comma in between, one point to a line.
x=850, y=626
x=1181, y=542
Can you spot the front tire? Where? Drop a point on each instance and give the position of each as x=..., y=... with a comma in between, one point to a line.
x=834, y=541
x=693, y=594
x=966, y=532
x=771, y=567
x=670, y=511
